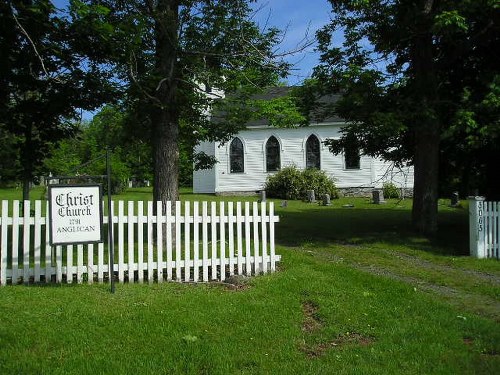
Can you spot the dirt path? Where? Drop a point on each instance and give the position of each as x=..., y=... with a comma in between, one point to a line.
x=481, y=304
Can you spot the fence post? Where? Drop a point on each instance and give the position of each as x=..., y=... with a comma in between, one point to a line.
x=476, y=227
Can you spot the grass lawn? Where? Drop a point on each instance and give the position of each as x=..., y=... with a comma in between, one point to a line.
x=356, y=292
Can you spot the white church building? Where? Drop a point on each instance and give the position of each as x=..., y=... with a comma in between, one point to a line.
x=245, y=162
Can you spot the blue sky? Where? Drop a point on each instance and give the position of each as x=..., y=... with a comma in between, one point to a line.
x=298, y=18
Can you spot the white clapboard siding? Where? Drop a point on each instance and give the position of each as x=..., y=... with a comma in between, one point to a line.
x=183, y=242
x=484, y=228
x=373, y=172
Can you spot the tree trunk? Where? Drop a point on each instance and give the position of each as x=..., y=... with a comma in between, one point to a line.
x=425, y=190
x=165, y=118
x=426, y=126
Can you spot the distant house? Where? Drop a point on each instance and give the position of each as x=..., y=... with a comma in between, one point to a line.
x=245, y=162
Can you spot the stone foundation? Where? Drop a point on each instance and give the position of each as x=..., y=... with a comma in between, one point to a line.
x=238, y=193
x=366, y=192
x=360, y=192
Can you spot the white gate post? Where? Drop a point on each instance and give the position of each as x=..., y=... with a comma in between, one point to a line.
x=476, y=227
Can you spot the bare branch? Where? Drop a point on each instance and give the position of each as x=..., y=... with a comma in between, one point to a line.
x=25, y=33
x=133, y=62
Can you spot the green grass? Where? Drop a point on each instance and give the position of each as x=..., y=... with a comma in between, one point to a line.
x=357, y=293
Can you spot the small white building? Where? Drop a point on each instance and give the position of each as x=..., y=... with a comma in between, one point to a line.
x=245, y=162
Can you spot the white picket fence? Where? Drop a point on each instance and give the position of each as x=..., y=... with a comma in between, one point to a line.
x=484, y=228
x=202, y=242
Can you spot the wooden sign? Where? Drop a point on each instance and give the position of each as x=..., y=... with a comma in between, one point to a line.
x=75, y=214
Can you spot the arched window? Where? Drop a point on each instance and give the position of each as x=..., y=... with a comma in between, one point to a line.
x=273, y=162
x=313, y=159
x=236, y=157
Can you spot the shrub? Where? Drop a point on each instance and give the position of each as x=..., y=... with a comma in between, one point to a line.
x=390, y=190
x=317, y=180
x=285, y=184
x=291, y=183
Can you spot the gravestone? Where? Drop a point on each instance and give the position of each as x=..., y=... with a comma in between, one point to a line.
x=326, y=200
x=378, y=196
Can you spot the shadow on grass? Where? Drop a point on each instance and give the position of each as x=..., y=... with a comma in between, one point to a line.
x=364, y=226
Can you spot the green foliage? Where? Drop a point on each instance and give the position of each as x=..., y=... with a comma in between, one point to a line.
x=9, y=158
x=291, y=183
x=280, y=112
x=317, y=180
x=391, y=190
x=285, y=184
x=130, y=157
x=416, y=81
x=168, y=56
x=44, y=80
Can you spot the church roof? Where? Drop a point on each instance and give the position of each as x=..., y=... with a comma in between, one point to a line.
x=324, y=111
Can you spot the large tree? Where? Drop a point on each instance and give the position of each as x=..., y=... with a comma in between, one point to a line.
x=43, y=81
x=412, y=73
x=176, y=58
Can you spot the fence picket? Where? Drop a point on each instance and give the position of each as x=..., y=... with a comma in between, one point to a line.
x=231, y=219
x=196, y=242
x=37, y=238
x=111, y=267
x=187, y=239
x=121, y=242
x=59, y=267
x=49, y=250
x=130, y=241
x=100, y=253
x=100, y=262
x=257, y=259
x=69, y=264
x=178, y=241
x=213, y=238
x=26, y=241
x=494, y=241
x=169, y=240
x=264, y=236
x=15, y=241
x=79, y=264
x=150, y=243
x=205, y=219
x=4, y=242
x=248, y=266
x=199, y=243
x=271, y=237
x=222, y=233
x=90, y=263
x=140, y=240
x=159, y=240
x=239, y=237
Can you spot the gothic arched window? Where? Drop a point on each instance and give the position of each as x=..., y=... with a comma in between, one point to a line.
x=273, y=162
x=236, y=156
x=313, y=159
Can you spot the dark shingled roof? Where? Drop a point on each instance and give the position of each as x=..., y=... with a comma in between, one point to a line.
x=317, y=116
